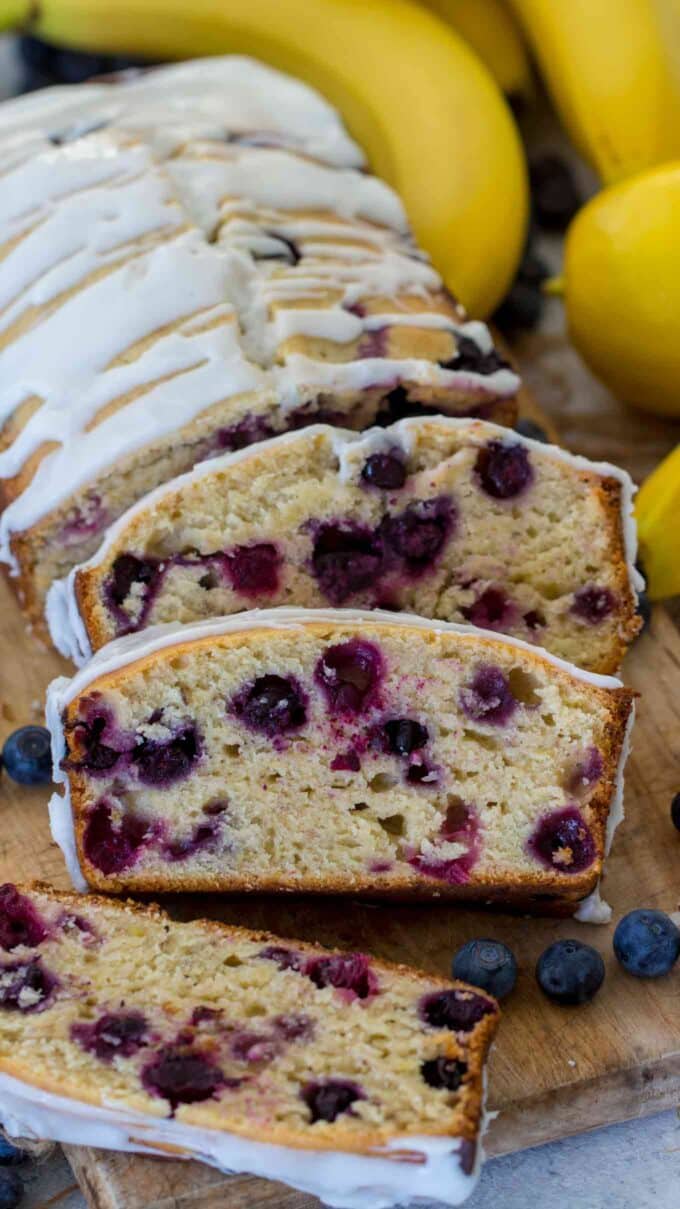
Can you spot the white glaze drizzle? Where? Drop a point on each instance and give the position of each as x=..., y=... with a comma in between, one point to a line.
x=66, y=626
x=76, y=209
x=407, y=1169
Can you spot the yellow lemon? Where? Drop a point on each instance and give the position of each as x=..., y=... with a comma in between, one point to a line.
x=622, y=288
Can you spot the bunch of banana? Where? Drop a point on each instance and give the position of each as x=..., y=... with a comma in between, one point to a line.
x=489, y=27
x=610, y=71
x=420, y=102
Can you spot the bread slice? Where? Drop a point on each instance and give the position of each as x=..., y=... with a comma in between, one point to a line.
x=337, y=752
x=172, y=286
x=120, y=1028
x=447, y=518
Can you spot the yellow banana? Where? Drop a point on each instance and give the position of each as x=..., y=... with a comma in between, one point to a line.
x=428, y=113
x=490, y=29
x=657, y=509
x=610, y=75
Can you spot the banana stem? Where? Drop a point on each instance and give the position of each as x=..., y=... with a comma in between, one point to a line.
x=555, y=286
x=14, y=14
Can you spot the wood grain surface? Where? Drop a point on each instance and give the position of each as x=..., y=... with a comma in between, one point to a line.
x=555, y=1071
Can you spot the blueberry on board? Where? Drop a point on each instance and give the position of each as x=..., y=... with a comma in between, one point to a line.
x=10, y=1155
x=488, y=964
x=647, y=943
x=26, y=756
x=529, y=428
x=570, y=972
x=522, y=306
x=554, y=193
x=11, y=1189
x=675, y=811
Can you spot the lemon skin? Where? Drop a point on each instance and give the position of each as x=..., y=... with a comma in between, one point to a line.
x=622, y=288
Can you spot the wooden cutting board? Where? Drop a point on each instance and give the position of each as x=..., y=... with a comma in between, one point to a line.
x=555, y=1071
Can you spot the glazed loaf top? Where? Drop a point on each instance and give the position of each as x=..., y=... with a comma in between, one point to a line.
x=143, y=231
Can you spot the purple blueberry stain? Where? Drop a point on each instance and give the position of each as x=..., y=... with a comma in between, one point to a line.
x=374, y=343
x=457, y=1011
x=346, y=761
x=460, y=826
x=349, y=675
x=203, y=838
x=163, y=762
x=285, y=959
x=128, y=574
x=204, y=1015
x=113, y=840
x=114, y=1035
x=86, y=522
x=593, y=604
x=293, y=1026
x=328, y=1099
x=385, y=471
x=254, y=570
x=587, y=771
x=417, y=535
x=183, y=1076
x=443, y=1072
x=488, y=697
x=346, y=558
x=492, y=610
x=563, y=841
x=272, y=705
x=26, y=986
x=99, y=742
x=503, y=469
x=534, y=620
x=247, y=431
x=20, y=922
x=349, y=972
x=253, y=1047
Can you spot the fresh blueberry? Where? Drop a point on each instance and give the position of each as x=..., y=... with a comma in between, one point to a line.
x=10, y=1155
x=570, y=972
x=444, y=1072
x=647, y=943
x=488, y=964
x=11, y=1189
x=26, y=756
x=675, y=811
x=523, y=305
x=529, y=428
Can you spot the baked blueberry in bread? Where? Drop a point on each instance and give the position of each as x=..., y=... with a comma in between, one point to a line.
x=120, y=1028
x=448, y=518
x=337, y=751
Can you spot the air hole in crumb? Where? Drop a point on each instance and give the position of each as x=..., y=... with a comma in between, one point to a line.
x=382, y=782
x=549, y=719
x=232, y=960
x=457, y=814
x=393, y=824
x=232, y=750
x=486, y=741
x=523, y=686
x=358, y=806
x=209, y=581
